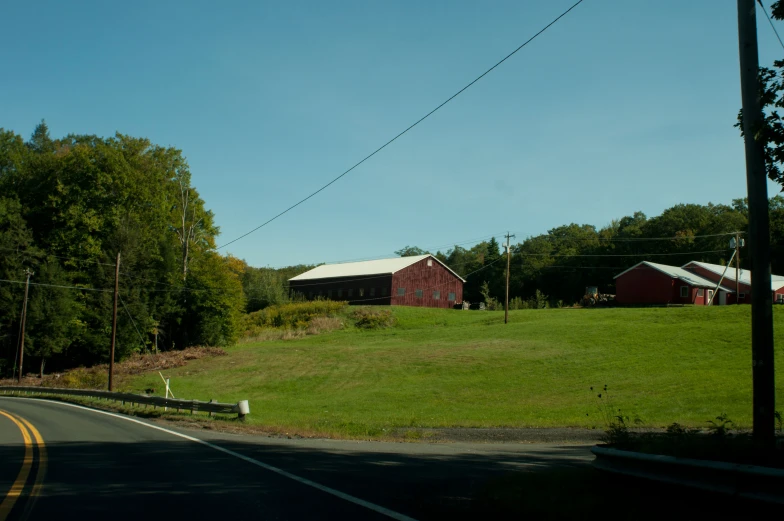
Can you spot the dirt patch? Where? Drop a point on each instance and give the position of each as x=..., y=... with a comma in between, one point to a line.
x=95, y=377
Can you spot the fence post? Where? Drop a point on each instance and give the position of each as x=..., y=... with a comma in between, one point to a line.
x=244, y=409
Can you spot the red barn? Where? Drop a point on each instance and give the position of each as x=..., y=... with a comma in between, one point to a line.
x=714, y=272
x=422, y=280
x=651, y=283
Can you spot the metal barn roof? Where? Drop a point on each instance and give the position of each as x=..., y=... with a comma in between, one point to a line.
x=371, y=267
x=680, y=274
x=776, y=281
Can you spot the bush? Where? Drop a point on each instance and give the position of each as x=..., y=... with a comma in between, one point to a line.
x=366, y=318
x=83, y=378
x=294, y=315
x=538, y=301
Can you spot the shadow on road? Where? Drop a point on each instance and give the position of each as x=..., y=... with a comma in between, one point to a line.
x=157, y=480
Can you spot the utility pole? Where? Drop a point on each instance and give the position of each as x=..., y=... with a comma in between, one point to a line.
x=114, y=318
x=22, y=328
x=508, y=262
x=764, y=397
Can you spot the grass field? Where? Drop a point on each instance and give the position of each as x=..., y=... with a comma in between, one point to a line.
x=447, y=368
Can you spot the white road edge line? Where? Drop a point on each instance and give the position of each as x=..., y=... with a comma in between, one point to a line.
x=304, y=481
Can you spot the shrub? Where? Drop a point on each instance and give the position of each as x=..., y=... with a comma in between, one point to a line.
x=366, y=318
x=83, y=378
x=295, y=315
x=721, y=427
x=324, y=325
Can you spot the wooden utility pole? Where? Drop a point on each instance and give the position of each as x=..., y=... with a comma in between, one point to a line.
x=22, y=328
x=114, y=318
x=508, y=263
x=764, y=397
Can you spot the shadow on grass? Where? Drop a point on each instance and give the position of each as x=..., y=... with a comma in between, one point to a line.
x=182, y=479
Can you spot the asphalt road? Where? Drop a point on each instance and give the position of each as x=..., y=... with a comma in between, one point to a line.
x=95, y=465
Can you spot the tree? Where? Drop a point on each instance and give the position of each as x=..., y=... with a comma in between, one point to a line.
x=68, y=206
x=52, y=314
x=771, y=133
x=410, y=251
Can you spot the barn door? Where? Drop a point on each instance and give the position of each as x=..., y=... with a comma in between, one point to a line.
x=722, y=298
x=709, y=297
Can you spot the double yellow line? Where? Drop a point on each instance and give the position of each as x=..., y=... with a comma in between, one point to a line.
x=29, y=433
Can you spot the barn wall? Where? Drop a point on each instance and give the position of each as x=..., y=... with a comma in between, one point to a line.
x=428, y=279
x=645, y=285
x=729, y=281
x=693, y=294
x=364, y=289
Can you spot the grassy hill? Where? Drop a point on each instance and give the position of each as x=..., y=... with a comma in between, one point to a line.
x=447, y=368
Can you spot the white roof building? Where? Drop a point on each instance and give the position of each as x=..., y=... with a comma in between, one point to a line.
x=362, y=268
x=675, y=272
x=776, y=281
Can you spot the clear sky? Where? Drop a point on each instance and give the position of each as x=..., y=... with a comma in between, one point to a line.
x=621, y=106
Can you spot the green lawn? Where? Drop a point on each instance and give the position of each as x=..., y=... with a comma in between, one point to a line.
x=446, y=368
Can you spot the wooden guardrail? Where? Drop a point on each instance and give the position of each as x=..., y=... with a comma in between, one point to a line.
x=240, y=408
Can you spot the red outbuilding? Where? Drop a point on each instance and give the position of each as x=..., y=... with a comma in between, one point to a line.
x=715, y=272
x=651, y=283
x=422, y=280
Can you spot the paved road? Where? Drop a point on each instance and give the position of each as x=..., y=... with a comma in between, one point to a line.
x=103, y=465
x=97, y=465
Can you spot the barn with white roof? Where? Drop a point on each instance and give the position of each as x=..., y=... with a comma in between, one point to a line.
x=693, y=283
x=652, y=283
x=421, y=280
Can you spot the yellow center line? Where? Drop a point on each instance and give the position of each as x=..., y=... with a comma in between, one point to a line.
x=41, y=470
x=18, y=486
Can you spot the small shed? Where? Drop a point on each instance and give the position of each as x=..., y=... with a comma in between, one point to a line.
x=421, y=280
x=652, y=283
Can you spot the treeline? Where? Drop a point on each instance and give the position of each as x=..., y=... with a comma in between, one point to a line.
x=67, y=207
x=566, y=259
x=558, y=265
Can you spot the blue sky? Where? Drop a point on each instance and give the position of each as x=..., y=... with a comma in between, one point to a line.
x=620, y=107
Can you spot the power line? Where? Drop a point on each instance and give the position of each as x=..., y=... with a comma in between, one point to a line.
x=420, y=120
x=53, y=285
x=477, y=240
x=770, y=21
x=144, y=346
x=43, y=253
x=538, y=237
x=615, y=255
x=632, y=239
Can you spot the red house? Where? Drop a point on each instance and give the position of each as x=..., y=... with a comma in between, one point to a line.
x=422, y=280
x=714, y=272
x=651, y=283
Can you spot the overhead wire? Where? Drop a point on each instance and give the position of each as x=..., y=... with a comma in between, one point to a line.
x=634, y=239
x=420, y=120
x=43, y=253
x=53, y=285
x=615, y=254
x=770, y=21
x=144, y=346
